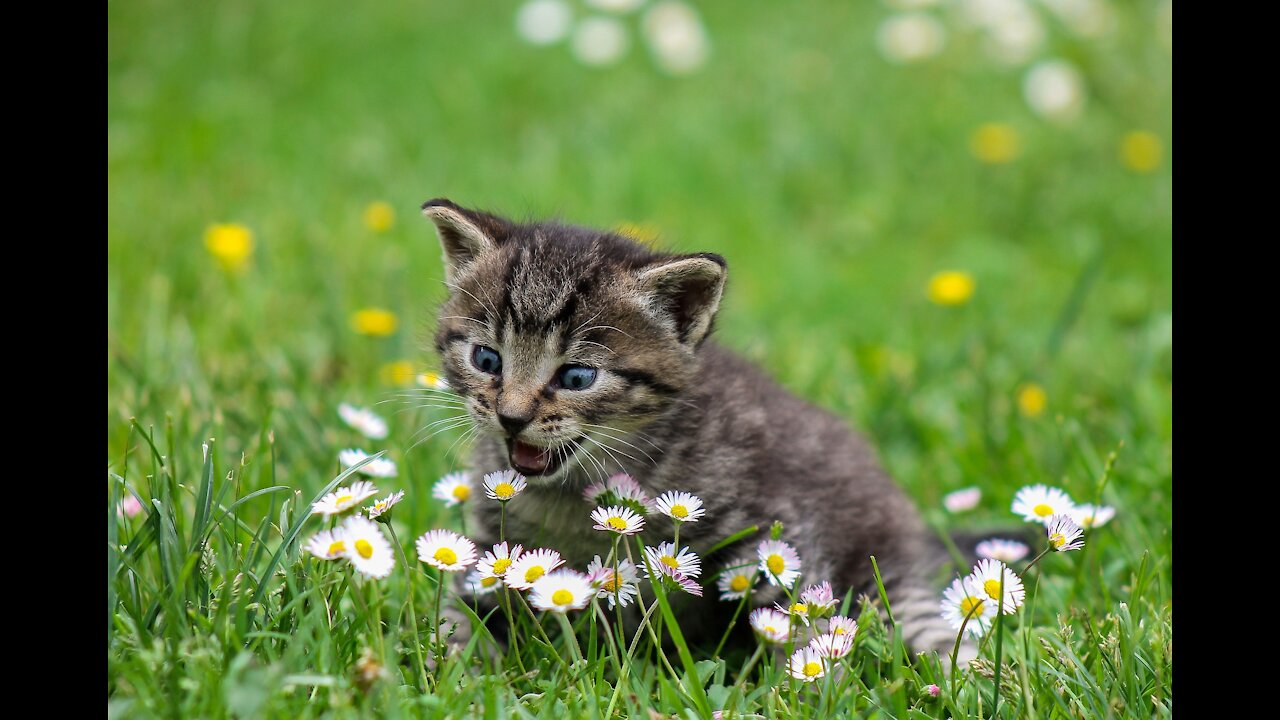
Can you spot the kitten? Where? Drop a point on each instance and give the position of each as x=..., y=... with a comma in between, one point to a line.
x=580, y=353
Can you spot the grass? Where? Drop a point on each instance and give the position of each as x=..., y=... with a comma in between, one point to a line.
x=834, y=182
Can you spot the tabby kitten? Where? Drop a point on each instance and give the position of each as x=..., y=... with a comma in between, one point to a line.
x=580, y=353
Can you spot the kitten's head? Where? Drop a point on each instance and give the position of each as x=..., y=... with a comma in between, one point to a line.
x=558, y=336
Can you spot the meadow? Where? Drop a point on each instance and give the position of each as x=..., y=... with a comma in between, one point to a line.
x=950, y=228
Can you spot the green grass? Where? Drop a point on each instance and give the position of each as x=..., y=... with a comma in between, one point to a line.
x=834, y=183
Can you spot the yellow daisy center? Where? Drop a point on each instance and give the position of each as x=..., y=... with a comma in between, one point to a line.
x=800, y=609
x=670, y=562
x=739, y=583
x=770, y=630
x=534, y=573
x=431, y=378
x=562, y=597
x=1042, y=510
x=337, y=547
x=812, y=669
x=461, y=493
x=776, y=564
x=364, y=548
x=504, y=491
x=343, y=501
x=616, y=523
x=1057, y=540
x=378, y=507
x=446, y=556
x=500, y=565
x=838, y=630
x=971, y=607
x=488, y=582
x=680, y=511
x=993, y=588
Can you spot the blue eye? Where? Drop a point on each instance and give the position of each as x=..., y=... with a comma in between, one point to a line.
x=576, y=377
x=487, y=359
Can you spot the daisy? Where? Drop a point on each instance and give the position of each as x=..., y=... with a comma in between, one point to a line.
x=366, y=548
x=779, y=562
x=479, y=584
x=1036, y=503
x=797, y=610
x=617, y=519
x=841, y=625
x=683, y=561
x=1064, y=534
x=363, y=420
x=619, y=489
x=446, y=550
x=737, y=580
x=619, y=588
x=962, y=500
x=678, y=579
x=987, y=575
x=327, y=545
x=377, y=467
x=130, y=506
x=807, y=664
x=771, y=625
x=832, y=646
x=561, y=591
x=819, y=598
x=344, y=498
x=503, y=485
x=1003, y=550
x=495, y=562
x=526, y=569
x=680, y=506
x=452, y=489
x=1092, y=516
x=961, y=601
x=432, y=380
x=380, y=510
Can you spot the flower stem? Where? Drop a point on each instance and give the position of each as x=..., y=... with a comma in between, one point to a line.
x=413, y=615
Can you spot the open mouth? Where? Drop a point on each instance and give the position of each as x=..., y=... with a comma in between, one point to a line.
x=532, y=460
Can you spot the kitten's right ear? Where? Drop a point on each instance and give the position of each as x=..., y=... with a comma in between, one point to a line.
x=464, y=234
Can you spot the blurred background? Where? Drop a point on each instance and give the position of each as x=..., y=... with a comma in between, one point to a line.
x=949, y=221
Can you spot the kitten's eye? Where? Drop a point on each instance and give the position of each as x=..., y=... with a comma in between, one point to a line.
x=576, y=377
x=487, y=359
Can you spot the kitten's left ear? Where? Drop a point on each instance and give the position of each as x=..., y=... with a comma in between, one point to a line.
x=687, y=289
x=464, y=234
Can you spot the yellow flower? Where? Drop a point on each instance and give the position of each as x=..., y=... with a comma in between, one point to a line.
x=951, y=287
x=995, y=143
x=379, y=216
x=230, y=244
x=644, y=232
x=374, y=321
x=1032, y=399
x=399, y=373
x=1141, y=151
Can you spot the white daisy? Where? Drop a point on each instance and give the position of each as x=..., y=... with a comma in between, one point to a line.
x=807, y=664
x=987, y=575
x=1037, y=503
x=1003, y=550
x=432, y=380
x=452, y=489
x=771, y=625
x=478, y=584
x=1054, y=89
x=504, y=485
x=617, y=519
x=1064, y=534
x=962, y=500
x=819, y=598
x=367, y=549
x=543, y=22
x=526, y=569
x=841, y=625
x=961, y=601
x=1090, y=516
x=363, y=420
x=676, y=37
x=797, y=611
x=561, y=591
x=779, y=562
x=495, y=562
x=621, y=587
x=684, y=561
x=677, y=579
x=832, y=647
x=446, y=550
x=619, y=489
x=910, y=37
x=327, y=545
x=680, y=506
x=378, y=467
x=600, y=41
x=380, y=510
x=344, y=498
x=736, y=580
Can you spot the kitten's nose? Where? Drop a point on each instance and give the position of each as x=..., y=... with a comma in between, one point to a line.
x=513, y=424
